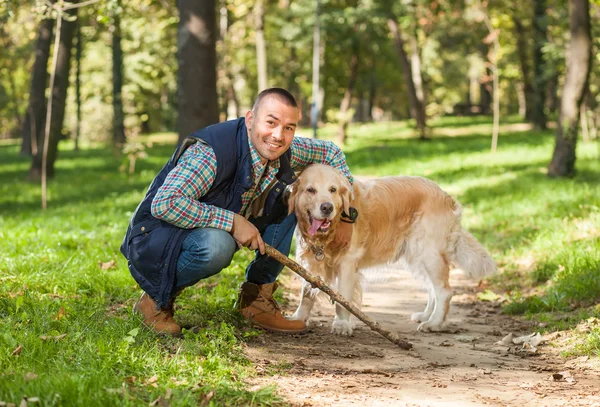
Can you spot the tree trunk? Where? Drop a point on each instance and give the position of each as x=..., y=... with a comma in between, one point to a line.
x=415, y=65
x=416, y=109
x=34, y=118
x=347, y=99
x=261, y=48
x=78, y=55
x=540, y=28
x=59, y=99
x=372, y=91
x=117, y=80
x=579, y=59
x=197, y=75
x=527, y=88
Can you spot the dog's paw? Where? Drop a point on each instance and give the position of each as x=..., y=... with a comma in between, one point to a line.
x=419, y=317
x=341, y=327
x=429, y=326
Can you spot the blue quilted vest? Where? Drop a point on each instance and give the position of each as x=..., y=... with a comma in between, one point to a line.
x=152, y=246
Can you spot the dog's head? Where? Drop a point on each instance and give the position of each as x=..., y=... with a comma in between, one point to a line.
x=318, y=197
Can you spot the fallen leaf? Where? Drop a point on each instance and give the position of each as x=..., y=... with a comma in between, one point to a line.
x=30, y=376
x=61, y=314
x=207, y=397
x=464, y=338
x=107, y=265
x=533, y=339
x=488, y=295
x=563, y=377
x=17, y=350
x=56, y=338
x=152, y=381
x=507, y=340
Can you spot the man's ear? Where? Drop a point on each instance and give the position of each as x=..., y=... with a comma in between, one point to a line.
x=292, y=197
x=249, y=119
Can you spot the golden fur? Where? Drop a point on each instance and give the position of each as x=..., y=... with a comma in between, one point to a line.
x=400, y=218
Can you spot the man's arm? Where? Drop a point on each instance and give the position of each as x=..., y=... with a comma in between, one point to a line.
x=306, y=151
x=177, y=200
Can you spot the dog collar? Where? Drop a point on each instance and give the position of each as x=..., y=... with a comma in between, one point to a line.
x=319, y=251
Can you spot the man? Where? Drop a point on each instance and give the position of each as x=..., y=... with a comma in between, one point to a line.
x=223, y=188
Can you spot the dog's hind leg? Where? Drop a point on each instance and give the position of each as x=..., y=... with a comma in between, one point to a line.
x=307, y=300
x=424, y=316
x=437, y=270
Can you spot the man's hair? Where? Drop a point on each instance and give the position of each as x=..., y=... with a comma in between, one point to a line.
x=278, y=93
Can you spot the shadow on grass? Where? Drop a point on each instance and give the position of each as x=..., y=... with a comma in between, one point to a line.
x=81, y=176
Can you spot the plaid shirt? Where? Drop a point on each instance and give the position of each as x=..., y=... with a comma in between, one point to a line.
x=177, y=200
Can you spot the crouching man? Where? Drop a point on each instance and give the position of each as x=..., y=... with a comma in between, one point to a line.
x=222, y=189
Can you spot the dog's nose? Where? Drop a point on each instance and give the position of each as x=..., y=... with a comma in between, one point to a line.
x=326, y=208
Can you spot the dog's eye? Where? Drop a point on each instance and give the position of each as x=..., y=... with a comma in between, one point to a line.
x=332, y=189
x=311, y=190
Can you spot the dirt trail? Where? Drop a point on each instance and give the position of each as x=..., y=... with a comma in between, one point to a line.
x=461, y=367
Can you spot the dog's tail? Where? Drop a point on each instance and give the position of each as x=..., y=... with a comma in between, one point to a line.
x=469, y=255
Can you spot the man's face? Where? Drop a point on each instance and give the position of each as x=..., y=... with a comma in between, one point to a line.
x=271, y=129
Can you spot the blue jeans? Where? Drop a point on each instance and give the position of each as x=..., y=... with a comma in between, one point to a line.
x=207, y=251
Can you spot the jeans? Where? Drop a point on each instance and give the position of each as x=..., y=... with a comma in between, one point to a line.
x=207, y=251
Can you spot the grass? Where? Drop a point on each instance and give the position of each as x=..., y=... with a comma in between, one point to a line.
x=68, y=337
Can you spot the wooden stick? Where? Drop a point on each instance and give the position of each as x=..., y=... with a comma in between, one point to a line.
x=317, y=282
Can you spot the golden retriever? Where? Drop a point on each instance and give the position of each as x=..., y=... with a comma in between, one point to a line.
x=400, y=218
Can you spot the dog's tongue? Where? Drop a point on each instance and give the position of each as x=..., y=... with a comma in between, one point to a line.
x=316, y=224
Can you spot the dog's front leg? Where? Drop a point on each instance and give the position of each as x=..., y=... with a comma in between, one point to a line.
x=349, y=288
x=307, y=300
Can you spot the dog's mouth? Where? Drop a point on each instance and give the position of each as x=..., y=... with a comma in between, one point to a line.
x=318, y=225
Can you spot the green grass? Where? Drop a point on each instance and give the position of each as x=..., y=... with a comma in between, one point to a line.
x=544, y=234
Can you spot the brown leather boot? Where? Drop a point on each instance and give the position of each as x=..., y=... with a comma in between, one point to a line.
x=158, y=320
x=256, y=303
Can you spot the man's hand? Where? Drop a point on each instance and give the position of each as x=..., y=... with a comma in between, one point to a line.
x=246, y=234
x=343, y=235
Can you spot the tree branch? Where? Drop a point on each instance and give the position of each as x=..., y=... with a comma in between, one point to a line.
x=317, y=282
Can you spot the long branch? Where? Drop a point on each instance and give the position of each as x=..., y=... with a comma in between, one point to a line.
x=317, y=282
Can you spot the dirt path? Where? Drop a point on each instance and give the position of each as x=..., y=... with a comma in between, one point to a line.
x=462, y=367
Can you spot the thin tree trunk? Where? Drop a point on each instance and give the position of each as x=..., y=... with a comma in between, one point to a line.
x=525, y=104
x=415, y=66
x=540, y=29
x=347, y=99
x=117, y=81
x=197, y=75
x=34, y=117
x=78, y=55
x=585, y=132
x=261, y=48
x=416, y=109
x=372, y=91
x=43, y=163
x=579, y=60
x=493, y=66
x=520, y=90
x=316, y=65
x=15, y=101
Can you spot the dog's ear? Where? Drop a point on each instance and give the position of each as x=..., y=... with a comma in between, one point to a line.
x=291, y=199
x=347, y=194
